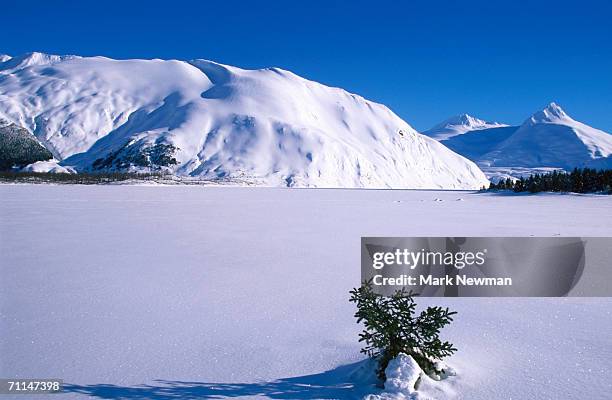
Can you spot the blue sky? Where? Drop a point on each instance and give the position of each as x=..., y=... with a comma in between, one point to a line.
x=426, y=60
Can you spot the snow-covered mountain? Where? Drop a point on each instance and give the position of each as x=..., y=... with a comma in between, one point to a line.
x=551, y=138
x=205, y=119
x=548, y=140
x=458, y=125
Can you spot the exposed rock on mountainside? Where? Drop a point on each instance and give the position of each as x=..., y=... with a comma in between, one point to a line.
x=18, y=147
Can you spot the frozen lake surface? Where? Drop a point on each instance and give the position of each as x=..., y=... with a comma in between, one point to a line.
x=171, y=292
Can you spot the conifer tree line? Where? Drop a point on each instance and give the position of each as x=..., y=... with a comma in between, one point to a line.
x=580, y=180
x=82, y=178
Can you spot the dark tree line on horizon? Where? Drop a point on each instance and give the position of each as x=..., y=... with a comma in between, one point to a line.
x=82, y=178
x=580, y=180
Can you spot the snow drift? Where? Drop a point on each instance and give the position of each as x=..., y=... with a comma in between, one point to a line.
x=51, y=166
x=201, y=118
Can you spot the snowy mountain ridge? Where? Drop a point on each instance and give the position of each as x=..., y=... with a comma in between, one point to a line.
x=11, y=64
x=205, y=119
x=457, y=125
x=547, y=140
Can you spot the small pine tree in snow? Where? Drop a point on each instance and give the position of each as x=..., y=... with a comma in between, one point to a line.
x=391, y=327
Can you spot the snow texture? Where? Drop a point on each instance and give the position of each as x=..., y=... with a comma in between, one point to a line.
x=407, y=381
x=269, y=127
x=205, y=292
x=402, y=374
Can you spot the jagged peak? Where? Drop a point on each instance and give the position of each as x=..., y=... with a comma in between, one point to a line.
x=549, y=114
x=462, y=119
x=465, y=120
x=459, y=124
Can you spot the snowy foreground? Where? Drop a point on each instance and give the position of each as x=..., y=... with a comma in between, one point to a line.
x=168, y=292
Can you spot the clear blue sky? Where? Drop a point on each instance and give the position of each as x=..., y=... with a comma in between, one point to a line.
x=426, y=60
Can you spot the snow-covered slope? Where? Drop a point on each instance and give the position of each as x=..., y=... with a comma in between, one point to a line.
x=551, y=138
x=474, y=144
x=458, y=125
x=214, y=121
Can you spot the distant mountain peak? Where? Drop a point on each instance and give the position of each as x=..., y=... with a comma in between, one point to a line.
x=550, y=138
x=550, y=114
x=461, y=120
x=458, y=124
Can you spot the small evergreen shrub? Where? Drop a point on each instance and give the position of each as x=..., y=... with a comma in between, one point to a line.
x=391, y=327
